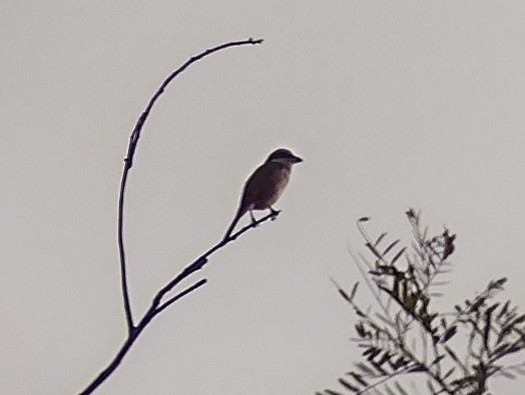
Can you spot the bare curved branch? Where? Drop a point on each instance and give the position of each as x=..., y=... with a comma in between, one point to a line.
x=128, y=163
x=157, y=306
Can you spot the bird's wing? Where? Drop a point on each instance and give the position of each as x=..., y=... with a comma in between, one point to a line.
x=261, y=184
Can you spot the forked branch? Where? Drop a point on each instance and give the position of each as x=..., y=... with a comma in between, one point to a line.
x=158, y=305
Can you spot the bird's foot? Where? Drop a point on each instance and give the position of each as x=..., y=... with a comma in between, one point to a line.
x=274, y=213
x=254, y=222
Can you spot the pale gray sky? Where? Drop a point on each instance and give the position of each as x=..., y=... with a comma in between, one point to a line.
x=391, y=104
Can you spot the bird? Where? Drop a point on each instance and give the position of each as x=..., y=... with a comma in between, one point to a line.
x=266, y=184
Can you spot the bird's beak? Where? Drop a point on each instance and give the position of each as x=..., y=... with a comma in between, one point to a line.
x=296, y=159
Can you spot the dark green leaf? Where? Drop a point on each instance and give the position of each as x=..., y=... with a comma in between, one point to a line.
x=519, y=320
x=486, y=331
x=497, y=284
x=354, y=290
x=373, y=250
x=378, y=368
x=501, y=349
x=386, y=357
x=400, y=389
x=359, y=379
x=373, y=354
x=348, y=386
x=453, y=355
x=398, y=363
x=504, y=332
x=380, y=238
x=446, y=375
x=417, y=368
x=448, y=245
x=344, y=294
x=398, y=255
x=437, y=359
x=365, y=369
x=492, y=308
x=389, y=391
x=411, y=213
x=507, y=374
x=361, y=332
x=504, y=309
x=390, y=246
x=431, y=387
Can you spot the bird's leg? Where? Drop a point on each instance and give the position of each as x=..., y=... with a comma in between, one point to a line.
x=251, y=215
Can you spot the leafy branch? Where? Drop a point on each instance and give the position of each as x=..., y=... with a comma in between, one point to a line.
x=404, y=335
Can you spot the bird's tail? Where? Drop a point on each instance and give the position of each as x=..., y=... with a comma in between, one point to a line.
x=240, y=212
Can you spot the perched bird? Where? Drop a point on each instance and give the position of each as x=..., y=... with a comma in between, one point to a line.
x=265, y=185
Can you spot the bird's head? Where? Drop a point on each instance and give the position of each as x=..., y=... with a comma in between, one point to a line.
x=284, y=156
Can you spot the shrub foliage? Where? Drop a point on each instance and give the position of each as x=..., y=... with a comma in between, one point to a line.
x=403, y=334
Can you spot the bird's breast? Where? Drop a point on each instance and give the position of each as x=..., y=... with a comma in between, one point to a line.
x=277, y=180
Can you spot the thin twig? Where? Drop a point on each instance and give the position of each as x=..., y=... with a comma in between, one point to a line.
x=122, y=254
x=181, y=294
